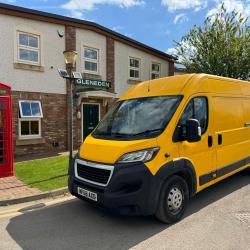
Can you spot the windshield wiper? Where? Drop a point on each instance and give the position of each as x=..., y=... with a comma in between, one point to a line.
x=119, y=135
x=122, y=135
x=149, y=131
x=101, y=133
x=111, y=134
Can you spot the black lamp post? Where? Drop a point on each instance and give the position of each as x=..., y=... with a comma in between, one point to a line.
x=70, y=57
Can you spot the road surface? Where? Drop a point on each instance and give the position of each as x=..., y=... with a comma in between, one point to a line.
x=217, y=218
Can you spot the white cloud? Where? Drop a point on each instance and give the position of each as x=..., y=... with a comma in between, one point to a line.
x=239, y=6
x=173, y=5
x=172, y=51
x=181, y=18
x=80, y=5
x=77, y=14
x=190, y=50
x=117, y=28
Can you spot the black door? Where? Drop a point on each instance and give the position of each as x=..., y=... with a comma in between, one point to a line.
x=90, y=118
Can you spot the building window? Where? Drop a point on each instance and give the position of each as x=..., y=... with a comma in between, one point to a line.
x=30, y=119
x=29, y=48
x=90, y=60
x=134, y=68
x=155, y=71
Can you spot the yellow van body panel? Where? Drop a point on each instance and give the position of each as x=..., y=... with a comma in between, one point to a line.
x=165, y=86
x=109, y=151
x=229, y=112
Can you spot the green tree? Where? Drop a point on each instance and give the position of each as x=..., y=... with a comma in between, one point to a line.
x=220, y=47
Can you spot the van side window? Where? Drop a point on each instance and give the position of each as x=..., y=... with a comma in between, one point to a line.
x=197, y=108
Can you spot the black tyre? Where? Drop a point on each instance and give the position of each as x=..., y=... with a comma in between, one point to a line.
x=173, y=200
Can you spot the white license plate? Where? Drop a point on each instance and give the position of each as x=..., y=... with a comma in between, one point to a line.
x=86, y=193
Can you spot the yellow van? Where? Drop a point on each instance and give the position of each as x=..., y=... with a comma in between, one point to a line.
x=164, y=141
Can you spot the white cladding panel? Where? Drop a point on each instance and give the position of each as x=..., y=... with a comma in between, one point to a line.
x=122, y=54
x=52, y=47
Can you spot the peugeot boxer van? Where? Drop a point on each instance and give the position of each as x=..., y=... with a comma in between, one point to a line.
x=164, y=141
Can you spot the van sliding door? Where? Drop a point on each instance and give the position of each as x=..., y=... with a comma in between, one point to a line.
x=232, y=144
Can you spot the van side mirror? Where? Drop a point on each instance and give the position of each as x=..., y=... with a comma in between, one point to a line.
x=193, y=130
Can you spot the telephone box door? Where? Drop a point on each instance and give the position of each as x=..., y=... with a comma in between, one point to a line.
x=6, y=150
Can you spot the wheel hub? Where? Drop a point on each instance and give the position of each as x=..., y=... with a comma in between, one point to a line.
x=175, y=199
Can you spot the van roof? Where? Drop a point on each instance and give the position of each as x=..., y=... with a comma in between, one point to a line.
x=186, y=84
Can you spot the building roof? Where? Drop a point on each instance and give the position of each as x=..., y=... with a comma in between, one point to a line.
x=13, y=10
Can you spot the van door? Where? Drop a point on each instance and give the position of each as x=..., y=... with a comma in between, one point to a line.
x=202, y=154
x=247, y=125
x=231, y=135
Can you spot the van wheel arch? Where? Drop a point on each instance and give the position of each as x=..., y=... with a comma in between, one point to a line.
x=183, y=168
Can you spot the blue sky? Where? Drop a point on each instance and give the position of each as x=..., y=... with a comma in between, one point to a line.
x=156, y=23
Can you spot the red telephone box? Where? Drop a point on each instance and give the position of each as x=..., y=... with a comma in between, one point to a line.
x=6, y=142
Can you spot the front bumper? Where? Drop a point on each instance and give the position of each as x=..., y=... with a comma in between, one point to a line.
x=132, y=190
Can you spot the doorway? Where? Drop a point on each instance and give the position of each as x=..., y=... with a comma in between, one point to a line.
x=90, y=117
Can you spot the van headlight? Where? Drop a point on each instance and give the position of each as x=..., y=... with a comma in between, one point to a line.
x=144, y=155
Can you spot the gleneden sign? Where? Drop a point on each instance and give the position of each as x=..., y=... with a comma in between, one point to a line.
x=93, y=83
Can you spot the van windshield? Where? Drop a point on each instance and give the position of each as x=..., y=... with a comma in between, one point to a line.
x=137, y=118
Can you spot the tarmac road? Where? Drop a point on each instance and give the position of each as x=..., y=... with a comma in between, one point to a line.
x=217, y=218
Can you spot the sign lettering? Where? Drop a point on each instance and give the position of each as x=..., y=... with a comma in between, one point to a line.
x=93, y=83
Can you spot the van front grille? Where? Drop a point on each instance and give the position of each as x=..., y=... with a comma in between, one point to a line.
x=90, y=172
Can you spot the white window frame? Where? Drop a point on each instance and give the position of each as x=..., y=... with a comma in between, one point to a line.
x=155, y=72
x=134, y=68
x=30, y=101
x=39, y=135
x=38, y=49
x=91, y=60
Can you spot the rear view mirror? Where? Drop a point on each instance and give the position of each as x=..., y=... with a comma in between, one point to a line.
x=193, y=130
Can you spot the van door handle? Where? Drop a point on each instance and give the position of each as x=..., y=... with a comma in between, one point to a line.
x=219, y=139
x=210, y=141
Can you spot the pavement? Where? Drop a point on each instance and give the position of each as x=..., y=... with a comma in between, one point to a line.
x=217, y=218
x=12, y=188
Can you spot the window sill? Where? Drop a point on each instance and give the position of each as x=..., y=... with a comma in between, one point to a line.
x=29, y=141
x=133, y=81
x=91, y=76
x=25, y=66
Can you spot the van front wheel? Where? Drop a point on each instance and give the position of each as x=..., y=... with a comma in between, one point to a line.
x=173, y=200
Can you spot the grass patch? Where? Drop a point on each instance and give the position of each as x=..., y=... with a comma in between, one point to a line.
x=44, y=174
